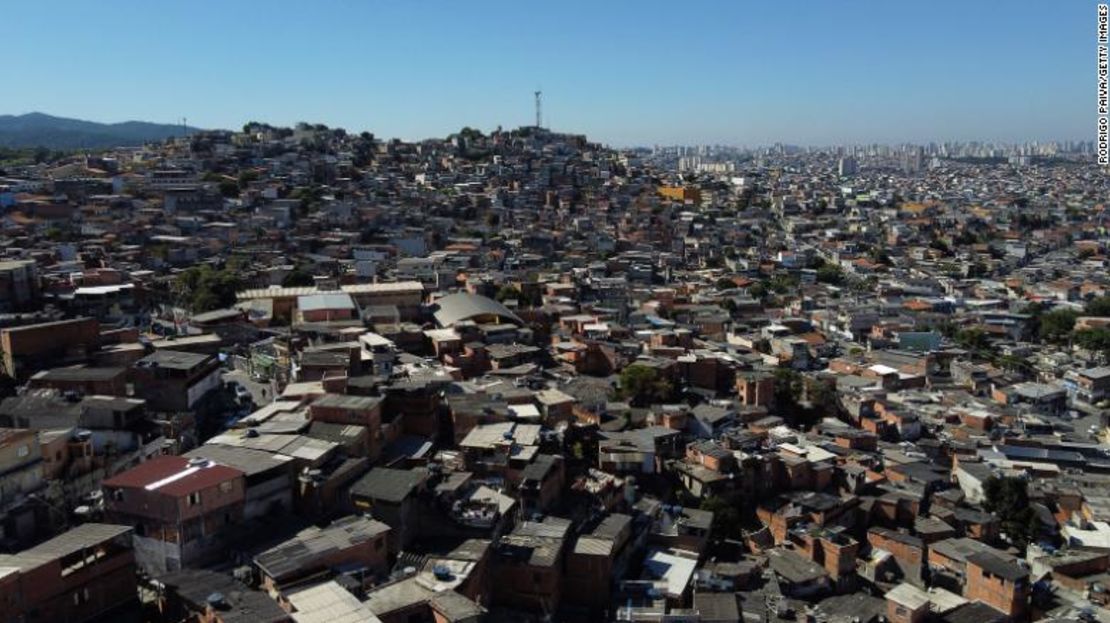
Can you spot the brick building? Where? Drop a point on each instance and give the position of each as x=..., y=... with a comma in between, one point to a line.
x=173, y=380
x=354, y=543
x=179, y=507
x=33, y=347
x=76, y=576
x=998, y=582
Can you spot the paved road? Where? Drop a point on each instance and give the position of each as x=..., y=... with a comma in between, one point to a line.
x=262, y=393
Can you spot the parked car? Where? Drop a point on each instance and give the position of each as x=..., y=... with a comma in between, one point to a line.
x=241, y=393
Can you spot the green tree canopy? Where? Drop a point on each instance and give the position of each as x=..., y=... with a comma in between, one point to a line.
x=726, y=517
x=1096, y=340
x=298, y=278
x=642, y=385
x=1098, y=307
x=830, y=273
x=202, y=288
x=246, y=177
x=757, y=290
x=1008, y=498
x=788, y=389
x=974, y=339
x=508, y=293
x=1057, y=325
x=229, y=189
x=1014, y=363
x=782, y=282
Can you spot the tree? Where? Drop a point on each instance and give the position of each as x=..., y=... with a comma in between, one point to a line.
x=1008, y=498
x=757, y=290
x=642, y=385
x=788, y=390
x=507, y=293
x=298, y=278
x=1095, y=340
x=973, y=339
x=782, y=283
x=309, y=196
x=879, y=255
x=363, y=148
x=471, y=134
x=229, y=189
x=1098, y=307
x=830, y=273
x=823, y=397
x=1013, y=363
x=726, y=517
x=203, y=288
x=1057, y=325
x=246, y=177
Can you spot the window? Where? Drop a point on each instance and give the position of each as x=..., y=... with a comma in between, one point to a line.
x=378, y=544
x=23, y=451
x=225, y=487
x=193, y=499
x=536, y=578
x=117, y=495
x=81, y=597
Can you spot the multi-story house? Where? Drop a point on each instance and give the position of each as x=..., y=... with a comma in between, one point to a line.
x=175, y=381
x=77, y=576
x=180, y=509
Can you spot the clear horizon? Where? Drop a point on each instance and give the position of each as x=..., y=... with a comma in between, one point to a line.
x=624, y=74
x=571, y=131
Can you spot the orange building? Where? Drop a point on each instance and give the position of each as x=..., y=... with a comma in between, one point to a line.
x=680, y=193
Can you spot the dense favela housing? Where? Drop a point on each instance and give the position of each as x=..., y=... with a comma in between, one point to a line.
x=299, y=374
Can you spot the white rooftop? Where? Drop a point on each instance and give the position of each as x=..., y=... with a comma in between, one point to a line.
x=673, y=569
x=329, y=603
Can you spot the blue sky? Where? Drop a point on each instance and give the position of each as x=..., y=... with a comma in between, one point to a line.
x=623, y=72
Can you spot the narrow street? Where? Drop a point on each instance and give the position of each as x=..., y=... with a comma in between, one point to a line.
x=261, y=393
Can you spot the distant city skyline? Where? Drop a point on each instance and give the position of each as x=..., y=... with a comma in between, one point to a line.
x=623, y=73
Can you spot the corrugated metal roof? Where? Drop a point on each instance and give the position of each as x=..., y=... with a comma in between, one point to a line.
x=413, y=287
x=325, y=300
x=76, y=539
x=593, y=546
x=461, y=306
x=329, y=603
x=312, y=546
x=174, y=476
